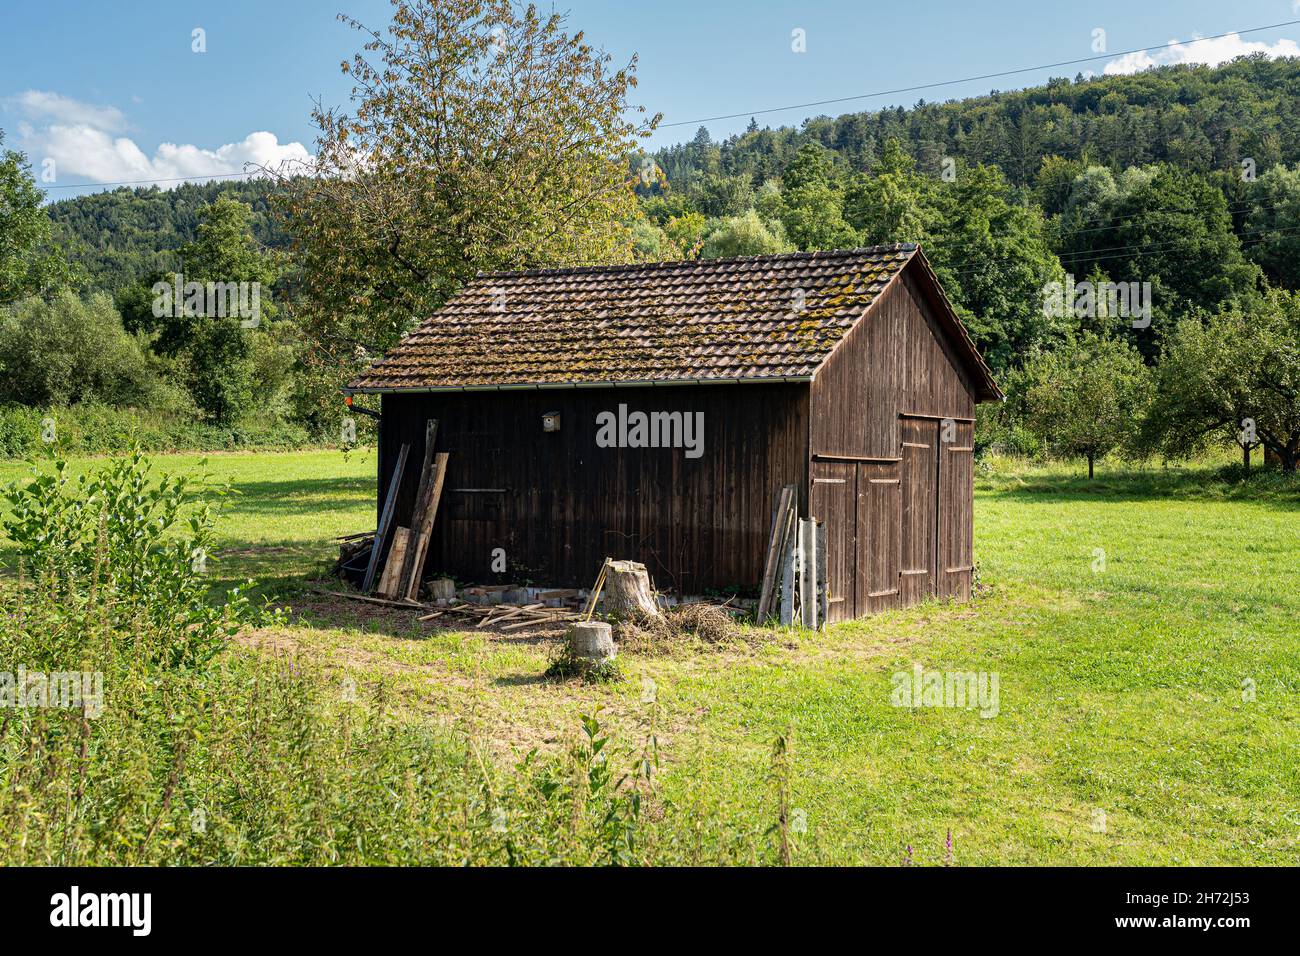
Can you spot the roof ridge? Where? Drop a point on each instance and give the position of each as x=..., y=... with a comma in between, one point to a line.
x=677, y=263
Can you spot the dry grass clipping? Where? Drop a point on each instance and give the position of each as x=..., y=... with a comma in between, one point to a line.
x=680, y=628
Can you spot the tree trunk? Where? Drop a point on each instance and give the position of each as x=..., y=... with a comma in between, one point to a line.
x=1245, y=458
x=1090, y=466
x=627, y=591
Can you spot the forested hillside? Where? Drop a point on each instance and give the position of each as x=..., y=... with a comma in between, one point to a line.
x=1195, y=117
x=1164, y=206
x=120, y=236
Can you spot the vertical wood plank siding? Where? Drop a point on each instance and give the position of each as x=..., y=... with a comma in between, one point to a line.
x=558, y=504
x=903, y=517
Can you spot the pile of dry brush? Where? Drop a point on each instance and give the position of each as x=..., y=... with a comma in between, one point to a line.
x=678, y=627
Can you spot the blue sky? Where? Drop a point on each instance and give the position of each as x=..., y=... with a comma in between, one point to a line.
x=113, y=91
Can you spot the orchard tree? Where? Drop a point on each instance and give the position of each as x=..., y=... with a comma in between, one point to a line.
x=481, y=135
x=1087, y=397
x=1235, y=376
x=1206, y=388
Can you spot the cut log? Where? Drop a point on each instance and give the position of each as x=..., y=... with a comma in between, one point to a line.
x=591, y=642
x=628, y=594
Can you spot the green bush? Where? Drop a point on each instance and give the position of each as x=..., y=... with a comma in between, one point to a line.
x=68, y=350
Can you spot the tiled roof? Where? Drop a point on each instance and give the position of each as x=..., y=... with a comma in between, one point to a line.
x=757, y=317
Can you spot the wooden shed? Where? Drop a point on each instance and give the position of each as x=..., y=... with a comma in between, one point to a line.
x=654, y=412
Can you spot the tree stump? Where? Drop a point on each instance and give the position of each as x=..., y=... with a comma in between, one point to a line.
x=591, y=642
x=628, y=595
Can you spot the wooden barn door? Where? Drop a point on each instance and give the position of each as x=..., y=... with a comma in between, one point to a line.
x=834, y=487
x=919, y=575
x=956, y=510
x=879, y=490
x=859, y=501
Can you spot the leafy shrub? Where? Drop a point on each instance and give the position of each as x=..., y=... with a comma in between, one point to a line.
x=67, y=350
x=118, y=536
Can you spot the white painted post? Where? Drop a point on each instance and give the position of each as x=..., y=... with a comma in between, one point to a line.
x=808, y=575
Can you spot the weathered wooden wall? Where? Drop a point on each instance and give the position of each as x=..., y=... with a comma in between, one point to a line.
x=558, y=504
x=894, y=487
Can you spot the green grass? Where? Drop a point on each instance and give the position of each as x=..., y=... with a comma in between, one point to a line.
x=1121, y=689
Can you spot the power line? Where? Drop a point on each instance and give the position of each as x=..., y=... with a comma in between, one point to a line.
x=1127, y=252
x=148, y=182
x=972, y=79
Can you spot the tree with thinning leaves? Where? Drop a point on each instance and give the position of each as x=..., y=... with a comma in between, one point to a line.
x=481, y=135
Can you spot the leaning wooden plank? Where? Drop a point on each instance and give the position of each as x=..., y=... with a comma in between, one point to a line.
x=425, y=530
x=823, y=578
x=790, y=557
x=421, y=503
x=396, y=555
x=772, y=561
x=385, y=519
x=430, y=617
x=595, y=591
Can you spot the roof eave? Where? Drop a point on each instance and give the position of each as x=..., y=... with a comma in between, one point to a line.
x=544, y=386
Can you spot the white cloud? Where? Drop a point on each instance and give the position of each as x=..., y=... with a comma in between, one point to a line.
x=41, y=105
x=85, y=143
x=1210, y=52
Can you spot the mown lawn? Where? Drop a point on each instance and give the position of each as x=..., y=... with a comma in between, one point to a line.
x=1149, y=707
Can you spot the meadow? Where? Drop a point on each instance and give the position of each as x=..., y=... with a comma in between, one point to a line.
x=1144, y=629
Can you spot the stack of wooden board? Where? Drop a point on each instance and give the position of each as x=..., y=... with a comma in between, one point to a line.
x=404, y=567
